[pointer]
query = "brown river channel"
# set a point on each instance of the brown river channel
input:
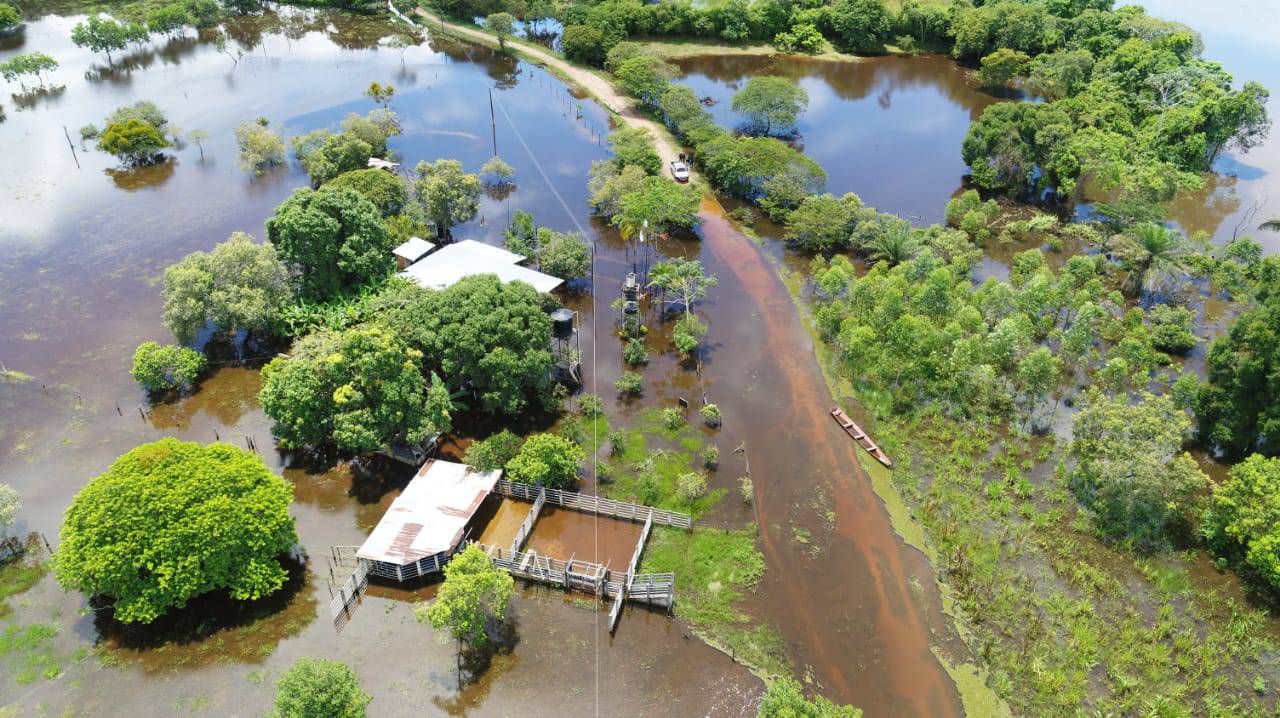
(81, 253)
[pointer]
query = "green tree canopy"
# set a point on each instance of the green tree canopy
(240, 285)
(449, 195)
(9, 17)
(684, 279)
(861, 25)
(319, 688)
(634, 146)
(386, 191)
(332, 239)
(585, 44)
(563, 254)
(771, 103)
(1131, 472)
(484, 338)
(162, 367)
(31, 63)
(1239, 407)
(133, 141)
(473, 598)
(493, 452)
(260, 148)
(361, 388)
(503, 24)
(171, 520)
(101, 33)
(644, 77)
(661, 204)
(823, 222)
(343, 152)
(1003, 66)
(1244, 518)
(548, 460)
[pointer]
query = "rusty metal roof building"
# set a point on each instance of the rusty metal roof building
(430, 515)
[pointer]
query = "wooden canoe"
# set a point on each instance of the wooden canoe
(860, 436)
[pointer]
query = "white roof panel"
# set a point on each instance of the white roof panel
(413, 249)
(451, 263)
(429, 516)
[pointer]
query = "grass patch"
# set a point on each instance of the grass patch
(715, 570)
(19, 575)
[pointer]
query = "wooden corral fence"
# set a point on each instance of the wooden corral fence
(594, 504)
(655, 588)
(348, 594)
(526, 526)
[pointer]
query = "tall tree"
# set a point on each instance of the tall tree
(502, 24)
(239, 286)
(683, 278)
(332, 239)
(771, 103)
(362, 389)
(171, 520)
(485, 339)
(1156, 255)
(473, 599)
(449, 195)
(1131, 472)
(100, 33)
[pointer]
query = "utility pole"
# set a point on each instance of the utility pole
(493, 123)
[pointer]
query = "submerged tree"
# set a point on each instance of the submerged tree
(546, 460)
(784, 698)
(171, 520)
(1157, 256)
(240, 285)
(319, 688)
(161, 368)
(683, 278)
(771, 103)
(449, 195)
(472, 600)
(100, 33)
(260, 148)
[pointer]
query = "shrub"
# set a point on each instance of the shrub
(802, 38)
(672, 418)
(711, 456)
(584, 44)
(1172, 329)
(319, 688)
(89, 132)
(710, 415)
(590, 405)
(547, 460)
(746, 489)
(690, 486)
(634, 354)
(494, 452)
(629, 383)
(165, 367)
(617, 442)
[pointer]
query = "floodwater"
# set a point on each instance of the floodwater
(81, 253)
(565, 534)
(886, 128)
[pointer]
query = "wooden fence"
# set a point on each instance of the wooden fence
(526, 526)
(348, 595)
(594, 504)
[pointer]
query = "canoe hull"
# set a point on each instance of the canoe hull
(860, 436)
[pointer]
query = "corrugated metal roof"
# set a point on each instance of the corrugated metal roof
(429, 516)
(451, 263)
(413, 249)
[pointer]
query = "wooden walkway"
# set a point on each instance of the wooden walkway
(594, 504)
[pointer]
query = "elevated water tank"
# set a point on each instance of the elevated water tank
(562, 323)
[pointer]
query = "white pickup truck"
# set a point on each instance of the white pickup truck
(680, 171)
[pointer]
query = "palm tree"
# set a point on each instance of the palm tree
(1160, 256)
(895, 243)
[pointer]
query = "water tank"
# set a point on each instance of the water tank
(630, 288)
(562, 323)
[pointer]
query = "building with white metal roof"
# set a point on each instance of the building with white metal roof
(449, 264)
(412, 250)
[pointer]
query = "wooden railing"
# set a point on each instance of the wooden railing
(595, 504)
